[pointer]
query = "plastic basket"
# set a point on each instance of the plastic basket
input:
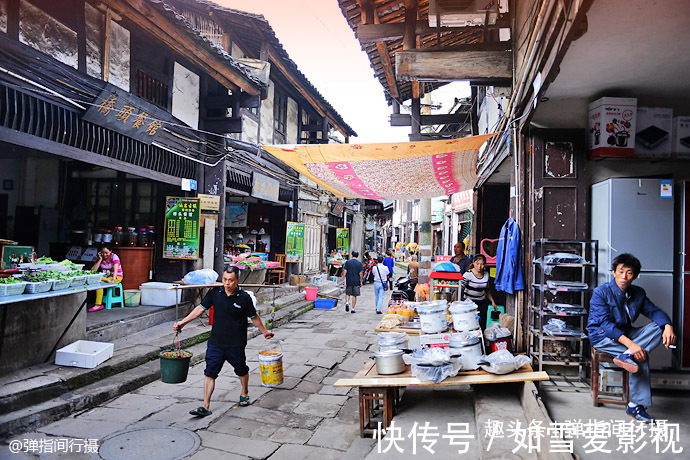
(324, 304)
(36, 288)
(94, 278)
(61, 284)
(78, 280)
(12, 289)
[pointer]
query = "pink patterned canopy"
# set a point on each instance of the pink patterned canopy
(405, 170)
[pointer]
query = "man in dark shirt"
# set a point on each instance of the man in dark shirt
(460, 258)
(231, 308)
(353, 272)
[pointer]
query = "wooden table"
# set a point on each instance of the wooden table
(376, 390)
(201, 287)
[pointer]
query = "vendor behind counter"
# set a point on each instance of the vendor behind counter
(109, 264)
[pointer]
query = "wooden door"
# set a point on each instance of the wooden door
(312, 245)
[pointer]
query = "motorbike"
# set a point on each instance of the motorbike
(404, 289)
(368, 276)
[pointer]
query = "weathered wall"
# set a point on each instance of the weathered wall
(94, 41)
(46, 34)
(40, 182)
(3, 16)
(489, 111)
(119, 56)
(249, 129)
(185, 95)
(292, 136)
(267, 116)
(9, 170)
(34, 327)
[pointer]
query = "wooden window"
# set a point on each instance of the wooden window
(280, 112)
(147, 87)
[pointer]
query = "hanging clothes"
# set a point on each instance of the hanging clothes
(509, 259)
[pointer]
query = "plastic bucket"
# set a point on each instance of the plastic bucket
(432, 317)
(311, 293)
(464, 316)
(132, 297)
(174, 369)
(271, 367)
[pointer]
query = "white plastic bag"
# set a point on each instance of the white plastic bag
(503, 362)
(204, 276)
(428, 356)
(436, 374)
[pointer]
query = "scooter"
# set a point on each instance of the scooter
(368, 277)
(404, 289)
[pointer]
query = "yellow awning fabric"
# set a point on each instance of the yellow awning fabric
(406, 170)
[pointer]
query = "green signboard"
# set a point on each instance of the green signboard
(342, 240)
(294, 242)
(181, 228)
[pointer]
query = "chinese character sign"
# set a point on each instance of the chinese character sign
(181, 228)
(342, 240)
(265, 187)
(127, 114)
(294, 242)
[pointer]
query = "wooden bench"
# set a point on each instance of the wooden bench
(381, 392)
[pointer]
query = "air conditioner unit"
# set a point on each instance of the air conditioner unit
(461, 13)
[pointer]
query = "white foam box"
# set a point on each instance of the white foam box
(611, 127)
(654, 136)
(441, 339)
(84, 353)
(681, 137)
(159, 294)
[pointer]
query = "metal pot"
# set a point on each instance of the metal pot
(389, 362)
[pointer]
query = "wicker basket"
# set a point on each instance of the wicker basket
(36, 288)
(61, 284)
(12, 289)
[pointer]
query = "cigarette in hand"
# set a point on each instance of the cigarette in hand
(672, 346)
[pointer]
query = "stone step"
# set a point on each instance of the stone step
(122, 327)
(42, 394)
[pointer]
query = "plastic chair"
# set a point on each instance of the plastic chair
(110, 297)
(278, 273)
(490, 321)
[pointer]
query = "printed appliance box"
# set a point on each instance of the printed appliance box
(654, 132)
(611, 130)
(681, 136)
(442, 339)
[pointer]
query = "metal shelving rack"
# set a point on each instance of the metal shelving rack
(576, 351)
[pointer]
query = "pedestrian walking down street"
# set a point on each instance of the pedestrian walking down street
(231, 308)
(380, 281)
(389, 262)
(353, 272)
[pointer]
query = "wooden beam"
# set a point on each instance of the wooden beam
(404, 119)
(367, 11)
(311, 128)
(142, 14)
(453, 65)
(370, 33)
(223, 125)
(410, 37)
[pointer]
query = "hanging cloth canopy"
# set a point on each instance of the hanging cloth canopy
(406, 170)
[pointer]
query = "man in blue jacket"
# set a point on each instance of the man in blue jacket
(613, 309)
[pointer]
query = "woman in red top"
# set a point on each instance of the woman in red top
(109, 263)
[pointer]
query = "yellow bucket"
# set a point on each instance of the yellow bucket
(271, 367)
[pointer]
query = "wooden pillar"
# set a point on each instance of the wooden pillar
(324, 130)
(13, 20)
(80, 21)
(416, 114)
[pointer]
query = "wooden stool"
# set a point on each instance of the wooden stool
(371, 400)
(621, 400)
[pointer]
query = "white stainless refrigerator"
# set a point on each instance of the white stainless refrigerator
(636, 216)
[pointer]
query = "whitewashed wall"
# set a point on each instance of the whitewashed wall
(185, 95)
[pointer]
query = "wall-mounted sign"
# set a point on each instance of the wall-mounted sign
(294, 242)
(342, 239)
(236, 215)
(265, 187)
(127, 114)
(209, 202)
(338, 208)
(181, 228)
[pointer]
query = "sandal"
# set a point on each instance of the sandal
(244, 401)
(200, 412)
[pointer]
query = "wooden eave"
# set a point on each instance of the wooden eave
(152, 20)
(382, 53)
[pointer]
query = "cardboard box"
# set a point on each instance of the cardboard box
(442, 339)
(302, 279)
(654, 136)
(612, 127)
(681, 137)
(294, 280)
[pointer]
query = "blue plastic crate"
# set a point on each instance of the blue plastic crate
(324, 304)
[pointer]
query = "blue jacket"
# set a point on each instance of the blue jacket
(509, 259)
(389, 262)
(607, 312)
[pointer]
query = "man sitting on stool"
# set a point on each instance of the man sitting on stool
(613, 309)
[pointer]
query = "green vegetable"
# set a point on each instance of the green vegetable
(67, 263)
(46, 260)
(10, 280)
(36, 277)
(56, 275)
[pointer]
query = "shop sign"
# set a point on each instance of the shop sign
(236, 215)
(338, 208)
(74, 253)
(90, 255)
(127, 114)
(342, 239)
(208, 216)
(181, 228)
(265, 187)
(294, 242)
(209, 202)
(462, 201)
